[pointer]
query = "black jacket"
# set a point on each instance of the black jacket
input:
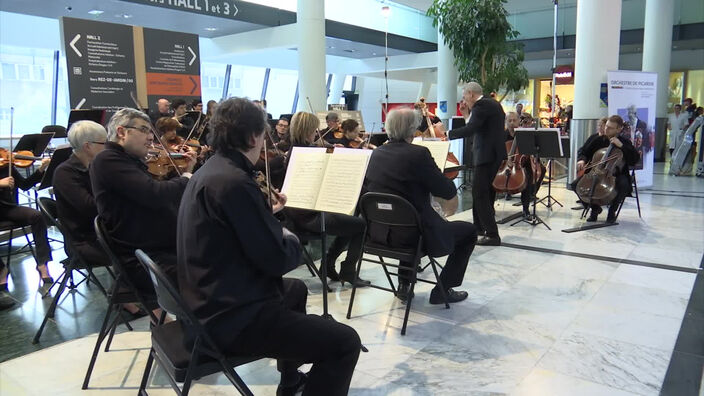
(486, 124)
(8, 196)
(596, 142)
(232, 252)
(139, 211)
(74, 199)
(409, 171)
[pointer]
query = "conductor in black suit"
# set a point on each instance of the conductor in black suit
(408, 170)
(486, 125)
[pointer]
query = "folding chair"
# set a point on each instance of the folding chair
(122, 292)
(73, 263)
(635, 191)
(394, 213)
(181, 363)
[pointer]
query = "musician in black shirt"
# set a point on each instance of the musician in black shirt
(612, 130)
(139, 212)
(232, 254)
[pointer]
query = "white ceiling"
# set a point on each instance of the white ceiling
(512, 6)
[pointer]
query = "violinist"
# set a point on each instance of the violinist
(139, 212)
(352, 138)
(612, 130)
(333, 134)
(282, 137)
(162, 110)
(232, 254)
(348, 230)
(25, 216)
(181, 115)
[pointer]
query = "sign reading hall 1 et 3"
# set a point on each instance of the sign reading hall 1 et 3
(101, 68)
(218, 8)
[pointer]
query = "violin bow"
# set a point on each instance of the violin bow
(268, 180)
(12, 119)
(165, 150)
(190, 134)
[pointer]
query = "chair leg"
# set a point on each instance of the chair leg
(52, 309)
(236, 380)
(147, 371)
(96, 349)
(113, 327)
(408, 308)
(388, 275)
(9, 251)
(91, 274)
(354, 285)
(439, 283)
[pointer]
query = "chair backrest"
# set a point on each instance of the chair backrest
(58, 130)
(389, 210)
(48, 208)
(391, 213)
(106, 243)
(170, 300)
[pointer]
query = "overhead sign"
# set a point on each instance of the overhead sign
(564, 75)
(101, 67)
(218, 8)
(172, 63)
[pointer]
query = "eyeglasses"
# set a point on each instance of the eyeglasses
(144, 129)
(98, 142)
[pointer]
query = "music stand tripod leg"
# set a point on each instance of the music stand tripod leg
(551, 200)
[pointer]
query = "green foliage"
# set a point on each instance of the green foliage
(478, 31)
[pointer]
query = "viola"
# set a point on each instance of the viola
(20, 159)
(598, 185)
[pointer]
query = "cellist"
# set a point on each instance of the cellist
(612, 129)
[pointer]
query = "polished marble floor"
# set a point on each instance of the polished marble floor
(598, 312)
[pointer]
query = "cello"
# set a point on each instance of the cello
(433, 135)
(598, 186)
(511, 177)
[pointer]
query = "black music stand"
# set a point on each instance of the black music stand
(85, 114)
(539, 143)
(60, 155)
(34, 142)
(565, 142)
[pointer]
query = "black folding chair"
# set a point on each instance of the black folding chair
(305, 238)
(395, 214)
(635, 191)
(122, 292)
(181, 363)
(73, 263)
(10, 226)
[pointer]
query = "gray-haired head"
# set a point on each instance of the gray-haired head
(332, 116)
(473, 87)
(124, 117)
(401, 124)
(85, 131)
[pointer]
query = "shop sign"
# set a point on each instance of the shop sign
(564, 75)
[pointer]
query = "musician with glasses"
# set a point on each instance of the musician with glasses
(139, 212)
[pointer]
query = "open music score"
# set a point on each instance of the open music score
(325, 182)
(438, 150)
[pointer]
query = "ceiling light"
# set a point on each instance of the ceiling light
(95, 12)
(125, 16)
(385, 11)
(373, 53)
(211, 29)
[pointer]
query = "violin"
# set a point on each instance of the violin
(163, 164)
(20, 159)
(598, 186)
(511, 179)
(338, 134)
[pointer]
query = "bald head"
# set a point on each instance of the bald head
(163, 105)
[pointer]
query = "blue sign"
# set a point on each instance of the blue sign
(443, 106)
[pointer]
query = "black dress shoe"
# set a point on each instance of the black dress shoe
(453, 296)
(593, 215)
(611, 219)
(6, 300)
(403, 292)
(489, 241)
(293, 389)
(350, 278)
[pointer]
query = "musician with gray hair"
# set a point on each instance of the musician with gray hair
(486, 125)
(409, 171)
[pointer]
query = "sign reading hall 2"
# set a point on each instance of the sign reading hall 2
(100, 58)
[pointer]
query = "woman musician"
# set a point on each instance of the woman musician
(351, 136)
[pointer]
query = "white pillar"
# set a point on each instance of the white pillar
(338, 83)
(596, 52)
(447, 80)
(657, 46)
(424, 89)
(311, 54)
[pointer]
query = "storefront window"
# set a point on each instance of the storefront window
(564, 96)
(675, 90)
(524, 97)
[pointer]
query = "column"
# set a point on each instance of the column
(657, 44)
(338, 83)
(596, 52)
(311, 54)
(447, 81)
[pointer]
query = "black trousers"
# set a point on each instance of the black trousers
(452, 274)
(284, 332)
(623, 186)
(348, 232)
(483, 195)
(24, 216)
(139, 276)
(532, 186)
(91, 254)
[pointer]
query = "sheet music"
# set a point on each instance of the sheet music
(304, 175)
(438, 150)
(343, 180)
